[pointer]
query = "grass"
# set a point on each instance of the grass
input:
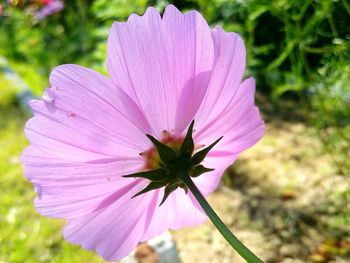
(26, 236)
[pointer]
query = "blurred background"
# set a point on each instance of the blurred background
(287, 198)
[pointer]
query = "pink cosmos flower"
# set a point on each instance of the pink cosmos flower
(89, 130)
(51, 7)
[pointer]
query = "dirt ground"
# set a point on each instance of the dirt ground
(278, 198)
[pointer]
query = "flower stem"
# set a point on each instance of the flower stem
(223, 229)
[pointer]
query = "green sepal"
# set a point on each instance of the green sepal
(157, 175)
(150, 187)
(173, 165)
(166, 154)
(199, 169)
(167, 191)
(187, 146)
(199, 156)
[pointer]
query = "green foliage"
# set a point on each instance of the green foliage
(121, 9)
(42, 45)
(330, 100)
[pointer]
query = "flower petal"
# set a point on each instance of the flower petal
(241, 127)
(179, 210)
(227, 74)
(240, 124)
(163, 64)
(86, 118)
(95, 200)
(208, 182)
(68, 190)
(115, 230)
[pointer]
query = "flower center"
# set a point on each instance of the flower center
(171, 161)
(151, 156)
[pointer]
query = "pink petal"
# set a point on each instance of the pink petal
(208, 182)
(86, 118)
(240, 124)
(114, 231)
(179, 210)
(226, 106)
(68, 189)
(94, 199)
(164, 64)
(227, 73)
(241, 127)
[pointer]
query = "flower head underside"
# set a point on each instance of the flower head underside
(170, 161)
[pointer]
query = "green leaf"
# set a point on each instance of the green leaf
(199, 156)
(157, 175)
(187, 146)
(199, 169)
(167, 191)
(150, 187)
(166, 154)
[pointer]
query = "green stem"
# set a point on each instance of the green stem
(223, 229)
